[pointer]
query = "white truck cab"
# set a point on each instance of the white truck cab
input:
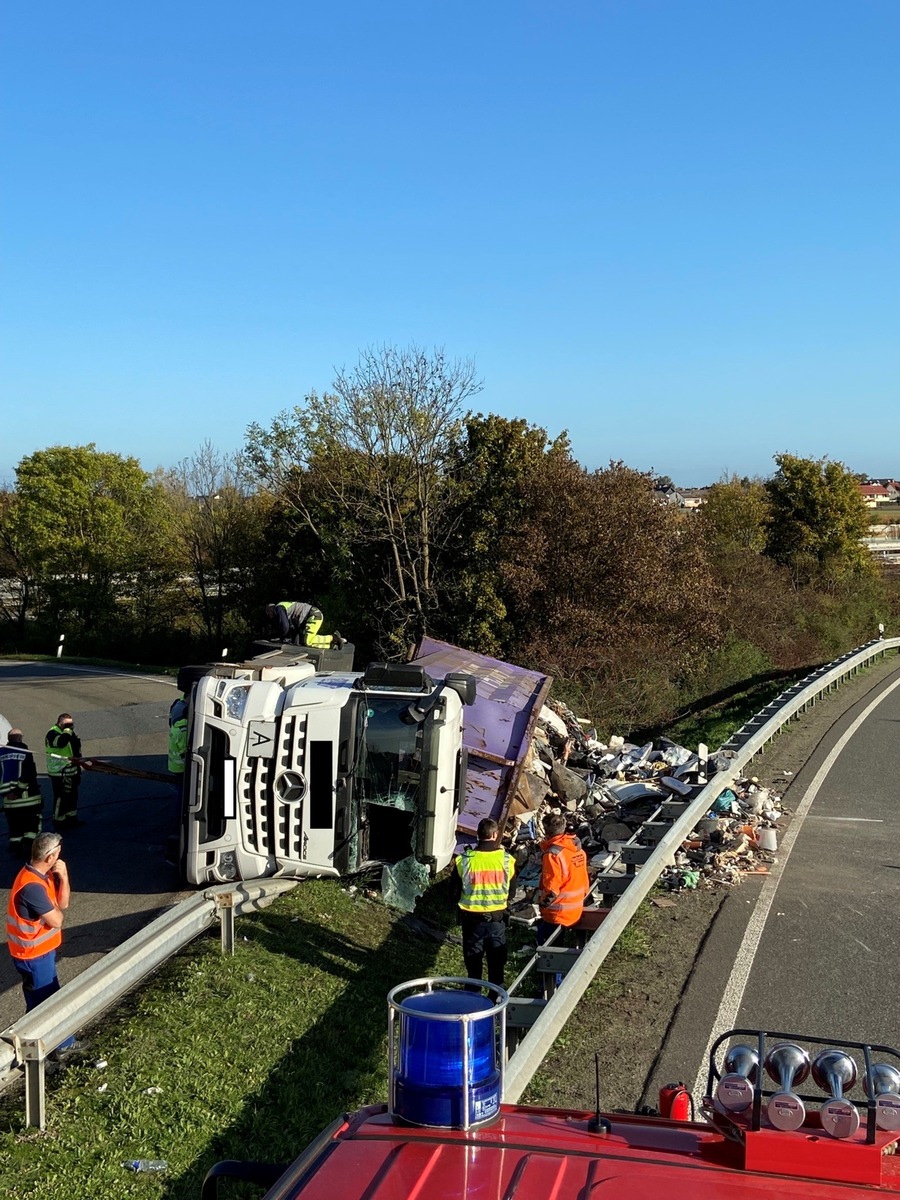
(296, 773)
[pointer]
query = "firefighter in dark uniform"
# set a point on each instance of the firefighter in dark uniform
(20, 793)
(63, 745)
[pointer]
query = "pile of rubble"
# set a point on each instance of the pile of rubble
(609, 790)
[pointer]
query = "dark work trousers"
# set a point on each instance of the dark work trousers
(65, 797)
(484, 936)
(25, 821)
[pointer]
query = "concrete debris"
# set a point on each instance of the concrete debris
(608, 790)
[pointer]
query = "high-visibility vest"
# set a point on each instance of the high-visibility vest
(30, 939)
(178, 730)
(564, 873)
(297, 612)
(14, 791)
(58, 745)
(486, 876)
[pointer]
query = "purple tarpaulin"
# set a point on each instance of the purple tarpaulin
(500, 723)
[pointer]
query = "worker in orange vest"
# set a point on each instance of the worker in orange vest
(34, 917)
(564, 877)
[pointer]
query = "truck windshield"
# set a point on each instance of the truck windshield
(390, 758)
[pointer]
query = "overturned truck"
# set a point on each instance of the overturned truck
(298, 765)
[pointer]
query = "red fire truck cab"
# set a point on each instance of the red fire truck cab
(445, 1134)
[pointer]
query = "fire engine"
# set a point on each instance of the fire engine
(445, 1132)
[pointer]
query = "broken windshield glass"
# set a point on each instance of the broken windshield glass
(390, 762)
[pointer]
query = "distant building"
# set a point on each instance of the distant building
(684, 498)
(874, 494)
(892, 485)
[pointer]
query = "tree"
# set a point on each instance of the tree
(17, 570)
(217, 521)
(368, 462)
(608, 589)
(816, 521)
(91, 522)
(495, 463)
(734, 517)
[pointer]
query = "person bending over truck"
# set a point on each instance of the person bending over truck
(485, 875)
(299, 622)
(564, 878)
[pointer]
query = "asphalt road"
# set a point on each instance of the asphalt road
(117, 866)
(811, 949)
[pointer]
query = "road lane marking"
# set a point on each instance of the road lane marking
(867, 820)
(743, 962)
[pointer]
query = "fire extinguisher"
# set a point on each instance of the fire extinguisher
(676, 1102)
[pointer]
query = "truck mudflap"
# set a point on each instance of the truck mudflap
(498, 726)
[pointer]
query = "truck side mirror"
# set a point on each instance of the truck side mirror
(463, 685)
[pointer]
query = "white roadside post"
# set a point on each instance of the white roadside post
(59, 648)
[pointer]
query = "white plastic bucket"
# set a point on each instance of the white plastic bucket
(767, 838)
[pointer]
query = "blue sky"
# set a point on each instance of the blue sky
(669, 227)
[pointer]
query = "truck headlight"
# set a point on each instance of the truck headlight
(227, 866)
(236, 701)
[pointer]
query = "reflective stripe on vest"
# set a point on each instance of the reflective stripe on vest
(486, 876)
(12, 759)
(18, 800)
(30, 939)
(59, 757)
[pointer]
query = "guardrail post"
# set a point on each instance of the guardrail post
(225, 907)
(35, 1092)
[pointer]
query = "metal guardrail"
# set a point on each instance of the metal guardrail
(744, 745)
(33, 1037)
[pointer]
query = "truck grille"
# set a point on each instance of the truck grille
(269, 825)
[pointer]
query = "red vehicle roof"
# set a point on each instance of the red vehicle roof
(550, 1154)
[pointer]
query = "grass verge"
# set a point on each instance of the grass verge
(252, 1055)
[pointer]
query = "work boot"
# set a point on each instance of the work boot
(338, 642)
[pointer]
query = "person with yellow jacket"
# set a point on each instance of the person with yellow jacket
(63, 749)
(485, 875)
(564, 878)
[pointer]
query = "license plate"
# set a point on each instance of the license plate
(261, 739)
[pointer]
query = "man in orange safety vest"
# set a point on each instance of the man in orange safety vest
(34, 917)
(564, 877)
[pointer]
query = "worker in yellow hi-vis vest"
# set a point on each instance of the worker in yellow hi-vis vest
(485, 875)
(63, 747)
(299, 622)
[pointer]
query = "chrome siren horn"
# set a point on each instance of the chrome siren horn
(735, 1090)
(885, 1084)
(834, 1072)
(787, 1065)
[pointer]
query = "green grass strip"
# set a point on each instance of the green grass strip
(253, 1054)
